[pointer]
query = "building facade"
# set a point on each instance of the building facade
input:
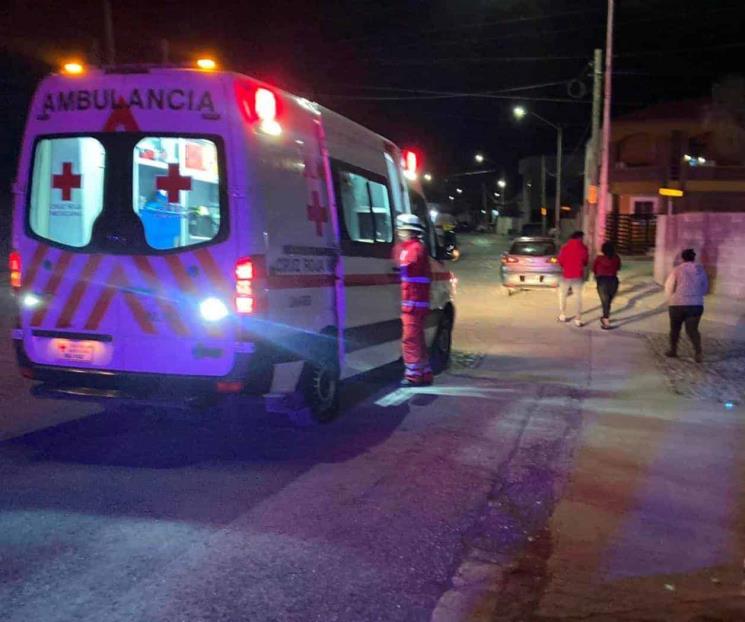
(695, 150)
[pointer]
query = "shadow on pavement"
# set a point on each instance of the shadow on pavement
(203, 466)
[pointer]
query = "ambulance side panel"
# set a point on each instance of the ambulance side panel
(300, 253)
(372, 298)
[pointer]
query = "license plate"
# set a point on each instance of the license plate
(74, 351)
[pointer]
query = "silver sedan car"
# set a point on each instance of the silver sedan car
(530, 263)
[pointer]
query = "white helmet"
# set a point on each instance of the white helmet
(409, 222)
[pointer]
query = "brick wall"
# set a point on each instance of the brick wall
(719, 241)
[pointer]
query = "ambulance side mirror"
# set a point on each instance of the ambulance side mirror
(445, 253)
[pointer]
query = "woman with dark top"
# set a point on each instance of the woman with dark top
(606, 269)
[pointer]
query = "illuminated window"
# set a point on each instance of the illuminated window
(67, 189)
(176, 191)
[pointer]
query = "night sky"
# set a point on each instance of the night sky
(398, 66)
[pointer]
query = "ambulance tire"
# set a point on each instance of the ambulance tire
(439, 356)
(319, 385)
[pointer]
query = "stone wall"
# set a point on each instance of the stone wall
(719, 241)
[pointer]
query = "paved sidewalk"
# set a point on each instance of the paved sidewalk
(639, 291)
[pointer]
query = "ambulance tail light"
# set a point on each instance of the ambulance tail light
(248, 296)
(14, 266)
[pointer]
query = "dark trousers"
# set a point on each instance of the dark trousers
(690, 316)
(607, 289)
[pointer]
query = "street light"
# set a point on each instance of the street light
(459, 190)
(479, 158)
(427, 177)
(451, 197)
(519, 112)
(502, 184)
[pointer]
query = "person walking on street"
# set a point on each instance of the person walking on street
(685, 289)
(416, 277)
(605, 268)
(573, 259)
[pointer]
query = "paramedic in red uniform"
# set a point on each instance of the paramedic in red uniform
(416, 276)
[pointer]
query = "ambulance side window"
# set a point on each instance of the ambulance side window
(67, 187)
(365, 205)
(176, 190)
(397, 183)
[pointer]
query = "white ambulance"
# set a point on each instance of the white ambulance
(186, 230)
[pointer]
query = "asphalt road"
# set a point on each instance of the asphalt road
(135, 514)
(442, 504)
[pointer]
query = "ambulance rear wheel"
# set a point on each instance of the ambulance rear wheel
(440, 353)
(319, 385)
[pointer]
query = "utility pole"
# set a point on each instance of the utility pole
(544, 210)
(592, 151)
(109, 31)
(605, 148)
(557, 204)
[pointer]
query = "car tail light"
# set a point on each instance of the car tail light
(14, 265)
(248, 270)
(509, 259)
(552, 260)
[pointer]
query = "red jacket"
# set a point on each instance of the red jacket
(416, 275)
(606, 266)
(573, 258)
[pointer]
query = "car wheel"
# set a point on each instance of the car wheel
(441, 348)
(319, 384)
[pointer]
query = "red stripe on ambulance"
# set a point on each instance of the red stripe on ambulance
(118, 281)
(52, 286)
(183, 280)
(36, 259)
(166, 306)
(78, 291)
(212, 270)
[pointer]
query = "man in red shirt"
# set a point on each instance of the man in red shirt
(416, 276)
(573, 259)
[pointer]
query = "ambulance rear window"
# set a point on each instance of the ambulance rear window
(176, 184)
(67, 188)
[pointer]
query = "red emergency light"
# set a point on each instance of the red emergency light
(260, 106)
(410, 163)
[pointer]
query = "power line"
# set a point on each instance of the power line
(457, 96)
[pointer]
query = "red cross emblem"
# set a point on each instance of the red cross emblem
(66, 181)
(317, 213)
(172, 183)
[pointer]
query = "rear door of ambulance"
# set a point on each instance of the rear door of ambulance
(123, 224)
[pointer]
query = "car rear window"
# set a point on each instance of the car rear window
(538, 248)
